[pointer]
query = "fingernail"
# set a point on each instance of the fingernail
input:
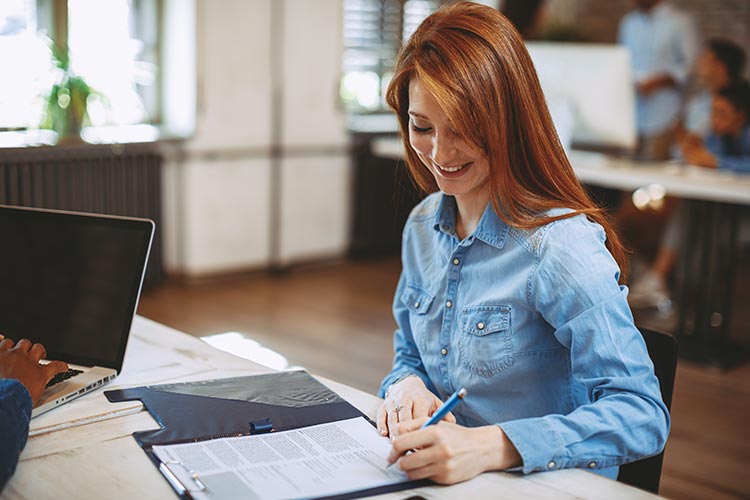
(383, 432)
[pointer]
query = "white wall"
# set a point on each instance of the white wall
(218, 190)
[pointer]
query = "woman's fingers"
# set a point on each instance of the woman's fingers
(405, 412)
(422, 408)
(392, 418)
(405, 440)
(381, 420)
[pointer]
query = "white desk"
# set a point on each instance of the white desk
(95, 456)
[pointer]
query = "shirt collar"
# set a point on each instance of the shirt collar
(491, 229)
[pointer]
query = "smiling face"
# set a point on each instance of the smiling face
(460, 169)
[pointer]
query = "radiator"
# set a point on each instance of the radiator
(104, 179)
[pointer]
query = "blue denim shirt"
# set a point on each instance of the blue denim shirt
(535, 326)
(15, 413)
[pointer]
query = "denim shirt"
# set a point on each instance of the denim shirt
(15, 413)
(535, 326)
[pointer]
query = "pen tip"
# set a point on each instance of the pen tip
(462, 393)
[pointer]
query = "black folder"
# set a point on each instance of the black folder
(240, 406)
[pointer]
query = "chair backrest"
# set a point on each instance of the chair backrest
(662, 348)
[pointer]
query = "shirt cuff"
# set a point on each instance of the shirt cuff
(540, 447)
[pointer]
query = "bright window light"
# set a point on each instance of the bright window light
(103, 52)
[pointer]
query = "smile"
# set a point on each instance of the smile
(454, 168)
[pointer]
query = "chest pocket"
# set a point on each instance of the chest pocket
(485, 343)
(419, 302)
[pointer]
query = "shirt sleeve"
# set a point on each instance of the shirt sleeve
(15, 413)
(575, 289)
(406, 358)
(739, 164)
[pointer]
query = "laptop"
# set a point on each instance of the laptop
(71, 281)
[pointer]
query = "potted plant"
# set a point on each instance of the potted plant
(65, 109)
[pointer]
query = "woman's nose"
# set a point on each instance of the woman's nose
(443, 149)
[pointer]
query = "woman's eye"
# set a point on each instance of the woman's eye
(420, 130)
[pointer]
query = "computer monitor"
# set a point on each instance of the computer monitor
(590, 92)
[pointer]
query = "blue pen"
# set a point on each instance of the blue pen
(441, 412)
(447, 407)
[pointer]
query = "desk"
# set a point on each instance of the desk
(715, 200)
(85, 448)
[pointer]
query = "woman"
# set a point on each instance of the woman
(510, 276)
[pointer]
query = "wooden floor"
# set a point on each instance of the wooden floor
(335, 321)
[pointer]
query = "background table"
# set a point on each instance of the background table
(84, 449)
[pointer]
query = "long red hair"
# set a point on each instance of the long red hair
(472, 60)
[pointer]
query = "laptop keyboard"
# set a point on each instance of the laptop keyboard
(63, 376)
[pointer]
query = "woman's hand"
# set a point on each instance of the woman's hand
(449, 453)
(407, 400)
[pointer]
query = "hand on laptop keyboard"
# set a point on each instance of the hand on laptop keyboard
(21, 361)
(72, 372)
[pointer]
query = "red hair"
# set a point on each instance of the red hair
(472, 60)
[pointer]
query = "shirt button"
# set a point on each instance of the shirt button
(444, 351)
(449, 304)
(416, 304)
(592, 465)
(552, 464)
(446, 228)
(480, 325)
(456, 261)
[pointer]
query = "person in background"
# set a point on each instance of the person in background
(22, 382)
(663, 45)
(726, 147)
(721, 63)
(511, 276)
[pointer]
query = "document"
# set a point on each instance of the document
(309, 462)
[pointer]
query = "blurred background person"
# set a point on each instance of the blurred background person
(721, 63)
(663, 45)
(726, 147)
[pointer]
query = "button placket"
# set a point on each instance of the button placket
(453, 274)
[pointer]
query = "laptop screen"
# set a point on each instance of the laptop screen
(71, 281)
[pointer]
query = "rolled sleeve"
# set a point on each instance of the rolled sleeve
(15, 413)
(576, 291)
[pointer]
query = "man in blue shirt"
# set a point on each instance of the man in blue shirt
(22, 381)
(662, 43)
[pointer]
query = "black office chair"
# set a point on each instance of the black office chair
(662, 348)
